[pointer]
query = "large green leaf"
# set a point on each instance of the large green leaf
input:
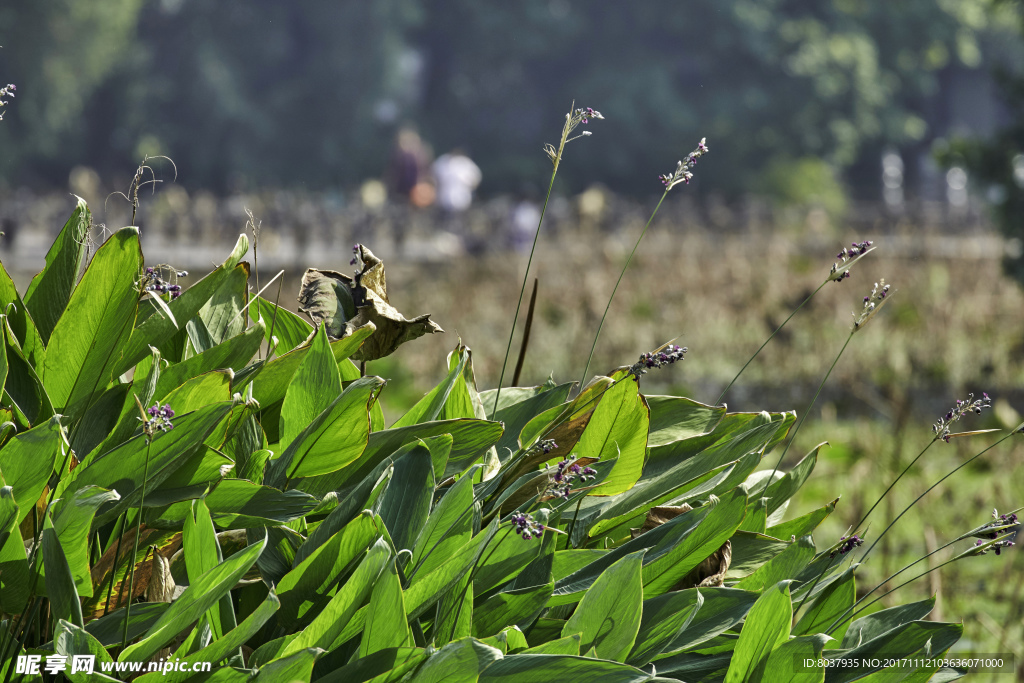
(461, 661)
(220, 649)
(828, 606)
(70, 640)
(786, 564)
(202, 553)
(664, 617)
(785, 663)
(674, 418)
(722, 608)
(387, 624)
(325, 630)
(123, 468)
(551, 668)
(766, 627)
(406, 502)
(306, 586)
(385, 666)
(241, 504)
(707, 535)
(294, 667)
(87, 340)
(332, 440)
(60, 584)
(429, 407)
(608, 617)
(23, 389)
(72, 522)
(315, 385)
(448, 527)
(920, 638)
(201, 594)
(28, 460)
(233, 353)
(515, 415)
(222, 315)
(20, 320)
(870, 627)
(515, 606)
(50, 290)
(618, 429)
(289, 329)
(471, 439)
(782, 490)
(157, 329)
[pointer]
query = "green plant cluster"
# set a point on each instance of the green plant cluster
(281, 531)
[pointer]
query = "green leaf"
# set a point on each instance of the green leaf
(674, 418)
(712, 527)
(722, 609)
(766, 627)
(447, 528)
(387, 624)
(785, 660)
(20, 321)
(664, 618)
(461, 661)
(385, 666)
(332, 440)
(87, 340)
(406, 502)
(123, 468)
(8, 513)
(222, 315)
(828, 605)
(870, 627)
(23, 390)
(607, 617)
(233, 353)
(471, 439)
(290, 329)
(515, 415)
(294, 667)
(50, 290)
(429, 407)
(72, 522)
(920, 638)
(202, 553)
(618, 429)
(464, 399)
(802, 526)
(516, 606)
(28, 460)
(109, 630)
(782, 490)
(14, 571)
(306, 586)
(325, 630)
(314, 386)
(551, 668)
(157, 329)
(60, 584)
(70, 640)
(756, 520)
(240, 504)
(201, 594)
(562, 646)
(786, 564)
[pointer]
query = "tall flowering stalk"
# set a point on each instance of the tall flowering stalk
(840, 271)
(573, 120)
(682, 175)
(155, 419)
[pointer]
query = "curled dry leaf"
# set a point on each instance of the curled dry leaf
(345, 303)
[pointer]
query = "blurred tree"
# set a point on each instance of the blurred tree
(310, 93)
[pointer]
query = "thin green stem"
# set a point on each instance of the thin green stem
(886, 492)
(600, 326)
(117, 554)
(568, 540)
(809, 406)
(135, 552)
(929, 489)
(814, 585)
(472, 575)
(811, 296)
(526, 275)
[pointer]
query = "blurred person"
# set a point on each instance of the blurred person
(408, 166)
(523, 222)
(456, 176)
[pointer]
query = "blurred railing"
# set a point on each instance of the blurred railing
(300, 229)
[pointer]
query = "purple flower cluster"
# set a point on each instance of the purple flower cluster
(839, 270)
(157, 284)
(6, 91)
(998, 547)
(872, 304)
(355, 255)
(159, 419)
(545, 445)
(962, 407)
(992, 530)
(566, 472)
(586, 114)
(526, 527)
(664, 356)
(682, 173)
(847, 544)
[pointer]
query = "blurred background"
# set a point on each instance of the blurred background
(416, 127)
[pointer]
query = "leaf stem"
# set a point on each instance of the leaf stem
(811, 296)
(600, 326)
(135, 552)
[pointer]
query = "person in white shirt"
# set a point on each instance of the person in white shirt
(456, 176)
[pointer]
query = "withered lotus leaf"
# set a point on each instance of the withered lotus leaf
(345, 303)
